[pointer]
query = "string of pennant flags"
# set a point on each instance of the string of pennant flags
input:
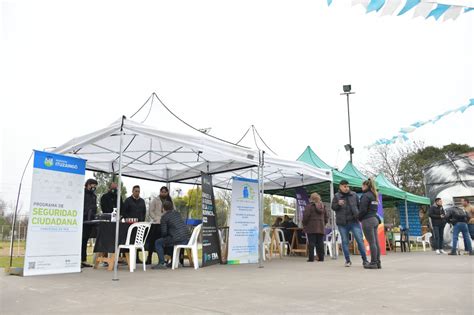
(448, 9)
(402, 134)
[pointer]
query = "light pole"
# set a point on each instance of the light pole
(347, 92)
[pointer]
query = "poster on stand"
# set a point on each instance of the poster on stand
(243, 231)
(302, 200)
(211, 248)
(53, 242)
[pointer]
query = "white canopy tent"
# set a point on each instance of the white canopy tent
(135, 150)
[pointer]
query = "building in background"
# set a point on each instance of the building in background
(451, 179)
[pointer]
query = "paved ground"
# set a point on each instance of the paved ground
(409, 283)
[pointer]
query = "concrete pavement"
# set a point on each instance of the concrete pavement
(417, 282)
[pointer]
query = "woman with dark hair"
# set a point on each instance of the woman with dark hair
(156, 212)
(370, 221)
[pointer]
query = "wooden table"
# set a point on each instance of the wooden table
(296, 247)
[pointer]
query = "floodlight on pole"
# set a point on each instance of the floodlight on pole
(347, 91)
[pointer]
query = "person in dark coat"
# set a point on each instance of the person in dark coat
(370, 221)
(90, 210)
(134, 206)
(438, 222)
(314, 221)
(173, 232)
(346, 205)
(108, 201)
(458, 217)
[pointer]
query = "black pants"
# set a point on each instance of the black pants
(438, 231)
(86, 233)
(370, 227)
(316, 240)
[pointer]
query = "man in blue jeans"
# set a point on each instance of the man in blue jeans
(173, 232)
(346, 205)
(459, 218)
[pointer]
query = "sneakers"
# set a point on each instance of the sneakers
(372, 265)
(159, 267)
(365, 263)
(347, 264)
(438, 252)
(453, 254)
(443, 252)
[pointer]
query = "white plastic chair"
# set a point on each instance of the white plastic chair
(267, 242)
(142, 233)
(192, 245)
(328, 243)
(424, 240)
(282, 242)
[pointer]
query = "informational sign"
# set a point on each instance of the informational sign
(211, 247)
(243, 231)
(277, 209)
(302, 200)
(53, 243)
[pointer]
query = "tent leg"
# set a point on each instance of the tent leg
(117, 223)
(261, 209)
(333, 216)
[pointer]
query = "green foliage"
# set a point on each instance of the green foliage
(412, 165)
(104, 180)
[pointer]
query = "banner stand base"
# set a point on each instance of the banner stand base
(14, 271)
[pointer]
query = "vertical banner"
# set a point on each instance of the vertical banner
(53, 243)
(302, 200)
(243, 231)
(211, 247)
(381, 228)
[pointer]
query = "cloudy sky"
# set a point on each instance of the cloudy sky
(71, 67)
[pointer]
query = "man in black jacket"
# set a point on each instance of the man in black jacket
(90, 210)
(108, 201)
(346, 205)
(173, 232)
(437, 215)
(134, 206)
(459, 218)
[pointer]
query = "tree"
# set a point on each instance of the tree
(387, 159)
(103, 183)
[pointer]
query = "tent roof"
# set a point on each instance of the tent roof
(353, 171)
(311, 158)
(164, 156)
(385, 187)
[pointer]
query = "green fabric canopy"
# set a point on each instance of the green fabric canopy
(311, 158)
(355, 179)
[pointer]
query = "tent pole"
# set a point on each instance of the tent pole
(333, 223)
(260, 210)
(406, 215)
(119, 194)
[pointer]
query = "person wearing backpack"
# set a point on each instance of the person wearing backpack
(459, 218)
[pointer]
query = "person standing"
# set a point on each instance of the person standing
(438, 221)
(346, 205)
(470, 210)
(134, 206)
(108, 201)
(173, 232)
(459, 218)
(90, 210)
(156, 211)
(315, 219)
(370, 221)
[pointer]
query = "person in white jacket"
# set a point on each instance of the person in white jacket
(156, 211)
